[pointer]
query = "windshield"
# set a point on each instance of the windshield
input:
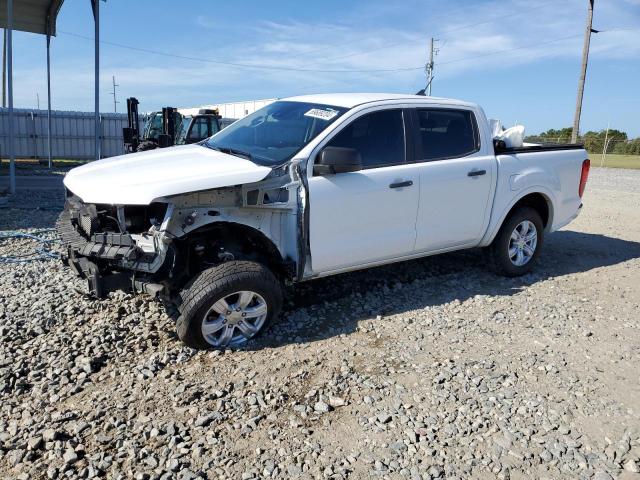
(275, 133)
(154, 126)
(181, 130)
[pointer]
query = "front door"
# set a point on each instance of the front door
(366, 216)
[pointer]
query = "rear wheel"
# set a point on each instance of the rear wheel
(515, 249)
(228, 305)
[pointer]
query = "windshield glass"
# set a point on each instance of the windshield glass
(181, 130)
(275, 133)
(154, 126)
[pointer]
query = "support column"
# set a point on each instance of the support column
(48, 99)
(12, 155)
(96, 21)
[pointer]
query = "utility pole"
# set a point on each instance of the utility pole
(38, 100)
(583, 72)
(115, 101)
(429, 67)
(95, 4)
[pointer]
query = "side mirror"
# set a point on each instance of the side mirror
(499, 145)
(332, 160)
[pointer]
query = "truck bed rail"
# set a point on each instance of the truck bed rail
(501, 149)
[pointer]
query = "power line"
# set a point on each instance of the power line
(367, 37)
(452, 29)
(284, 68)
(497, 52)
(298, 69)
(491, 20)
(240, 65)
(328, 70)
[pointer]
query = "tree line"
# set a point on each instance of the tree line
(617, 140)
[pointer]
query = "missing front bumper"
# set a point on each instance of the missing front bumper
(99, 260)
(99, 284)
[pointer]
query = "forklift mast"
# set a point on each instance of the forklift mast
(168, 136)
(131, 133)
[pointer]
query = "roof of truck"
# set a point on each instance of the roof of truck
(350, 100)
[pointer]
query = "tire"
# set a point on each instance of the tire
(512, 257)
(147, 145)
(218, 310)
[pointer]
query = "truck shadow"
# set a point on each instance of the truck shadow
(333, 306)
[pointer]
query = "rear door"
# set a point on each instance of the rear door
(457, 174)
(367, 216)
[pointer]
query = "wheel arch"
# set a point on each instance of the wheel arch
(243, 241)
(536, 198)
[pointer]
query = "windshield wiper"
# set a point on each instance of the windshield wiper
(231, 151)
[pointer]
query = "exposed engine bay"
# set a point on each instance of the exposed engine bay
(157, 248)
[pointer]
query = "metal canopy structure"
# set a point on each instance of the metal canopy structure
(34, 16)
(39, 16)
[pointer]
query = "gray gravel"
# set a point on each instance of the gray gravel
(426, 369)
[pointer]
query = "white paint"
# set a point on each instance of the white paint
(353, 228)
(355, 219)
(140, 178)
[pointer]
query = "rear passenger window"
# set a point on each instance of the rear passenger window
(447, 133)
(377, 136)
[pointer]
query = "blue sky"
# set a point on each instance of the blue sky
(519, 59)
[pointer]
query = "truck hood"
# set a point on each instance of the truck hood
(140, 178)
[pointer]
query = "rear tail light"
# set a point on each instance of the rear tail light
(584, 176)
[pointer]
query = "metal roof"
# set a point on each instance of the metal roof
(35, 16)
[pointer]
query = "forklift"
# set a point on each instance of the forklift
(195, 128)
(167, 128)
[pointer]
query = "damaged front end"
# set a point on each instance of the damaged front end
(113, 248)
(158, 248)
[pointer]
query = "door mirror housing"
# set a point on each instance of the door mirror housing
(332, 160)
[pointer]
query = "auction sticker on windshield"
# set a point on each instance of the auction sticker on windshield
(321, 114)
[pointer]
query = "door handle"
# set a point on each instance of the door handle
(406, 183)
(476, 173)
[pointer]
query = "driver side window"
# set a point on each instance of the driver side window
(378, 136)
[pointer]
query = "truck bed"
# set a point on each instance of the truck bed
(539, 147)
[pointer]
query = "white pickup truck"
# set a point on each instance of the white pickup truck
(307, 187)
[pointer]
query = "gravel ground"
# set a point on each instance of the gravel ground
(427, 369)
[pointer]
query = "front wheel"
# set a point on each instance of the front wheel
(515, 249)
(229, 304)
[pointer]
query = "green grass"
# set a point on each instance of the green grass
(615, 161)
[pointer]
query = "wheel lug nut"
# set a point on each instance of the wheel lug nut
(237, 309)
(244, 314)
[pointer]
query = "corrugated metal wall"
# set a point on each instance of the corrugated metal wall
(72, 134)
(235, 110)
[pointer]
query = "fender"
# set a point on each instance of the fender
(494, 225)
